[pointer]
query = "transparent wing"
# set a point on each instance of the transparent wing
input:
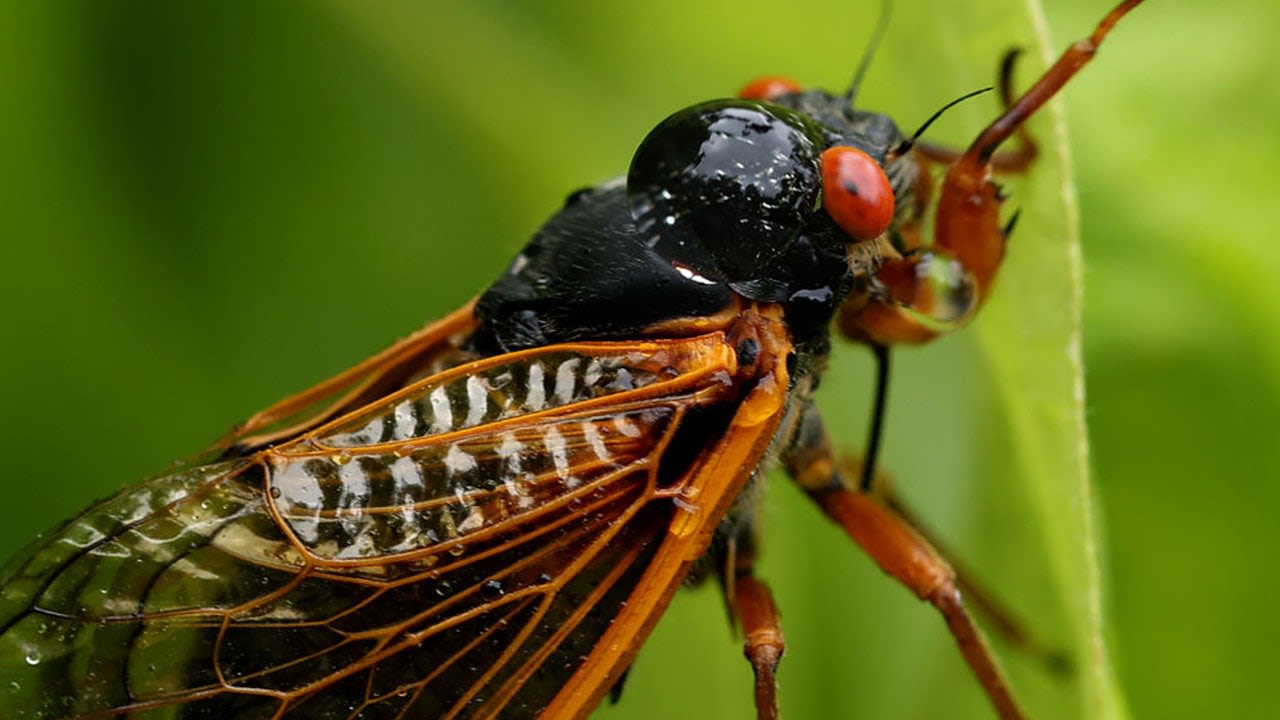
(453, 550)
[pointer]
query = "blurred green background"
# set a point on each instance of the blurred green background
(206, 208)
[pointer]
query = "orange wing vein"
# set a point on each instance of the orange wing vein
(457, 548)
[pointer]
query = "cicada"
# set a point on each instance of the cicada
(488, 518)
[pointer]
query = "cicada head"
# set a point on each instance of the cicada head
(792, 197)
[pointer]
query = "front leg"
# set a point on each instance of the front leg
(936, 288)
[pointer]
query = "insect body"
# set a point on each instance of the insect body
(487, 518)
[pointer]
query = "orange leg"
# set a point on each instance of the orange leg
(897, 548)
(1000, 619)
(904, 554)
(938, 288)
(873, 481)
(751, 608)
(754, 608)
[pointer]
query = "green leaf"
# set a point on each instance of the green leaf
(1042, 391)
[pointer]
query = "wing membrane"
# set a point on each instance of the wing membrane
(444, 552)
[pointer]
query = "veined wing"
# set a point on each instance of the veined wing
(453, 550)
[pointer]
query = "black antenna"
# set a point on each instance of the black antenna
(905, 145)
(872, 44)
(876, 431)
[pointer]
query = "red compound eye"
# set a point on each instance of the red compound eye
(768, 88)
(856, 192)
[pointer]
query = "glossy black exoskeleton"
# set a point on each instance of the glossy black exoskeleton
(722, 198)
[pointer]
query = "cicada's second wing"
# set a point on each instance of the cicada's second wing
(454, 550)
(77, 611)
